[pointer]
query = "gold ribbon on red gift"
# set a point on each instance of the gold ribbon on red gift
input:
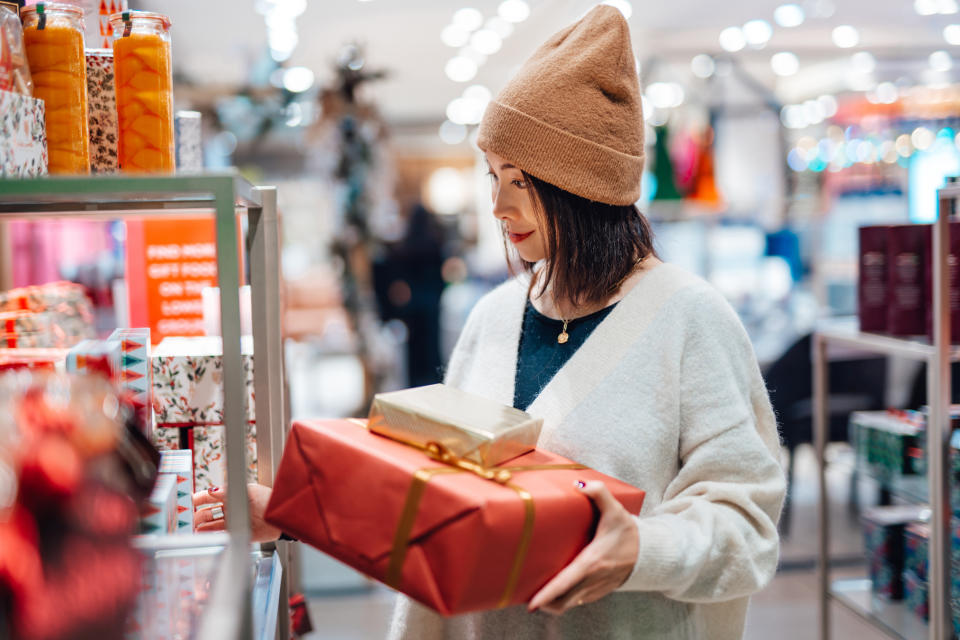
(454, 464)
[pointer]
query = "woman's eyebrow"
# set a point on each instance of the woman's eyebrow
(506, 166)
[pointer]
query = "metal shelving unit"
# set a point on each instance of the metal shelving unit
(892, 618)
(229, 612)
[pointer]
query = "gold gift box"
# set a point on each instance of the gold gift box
(469, 426)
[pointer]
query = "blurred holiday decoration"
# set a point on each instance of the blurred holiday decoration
(354, 131)
(663, 168)
(75, 469)
(704, 192)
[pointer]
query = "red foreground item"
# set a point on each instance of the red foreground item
(344, 491)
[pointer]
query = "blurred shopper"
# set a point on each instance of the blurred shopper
(409, 283)
(639, 369)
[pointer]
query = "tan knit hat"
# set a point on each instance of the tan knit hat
(572, 115)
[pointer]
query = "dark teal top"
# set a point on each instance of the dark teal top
(540, 356)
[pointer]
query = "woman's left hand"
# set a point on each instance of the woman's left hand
(602, 566)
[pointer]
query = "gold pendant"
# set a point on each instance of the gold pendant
(563, 337)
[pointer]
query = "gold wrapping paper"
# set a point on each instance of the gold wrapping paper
(468, 426)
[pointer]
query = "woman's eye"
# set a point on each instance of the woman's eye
(520, 184)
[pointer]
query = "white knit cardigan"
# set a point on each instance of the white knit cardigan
(666, 395)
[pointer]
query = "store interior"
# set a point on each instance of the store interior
(787, 147)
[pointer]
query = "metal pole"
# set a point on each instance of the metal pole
(938, 430)
(821, 384)
(269, 376)
(234, 418)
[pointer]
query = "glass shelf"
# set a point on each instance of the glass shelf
(845, 331)
(895, 618)
(94, 195)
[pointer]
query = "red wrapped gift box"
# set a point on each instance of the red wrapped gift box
(444, 535)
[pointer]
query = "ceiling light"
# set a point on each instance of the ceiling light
(941, 61)
(468, 19)
(621, 5)
(947, 7)
(297, 79)
(951, 33)
(757, 32)
(863, 62)
(922, 138)
(458, 111)
(664, 95)
(477, 93)
(452, 132)
(460, 69)
(500, 27)
(925, 7)
(788, 15)
(732, 39)
(453, 36)
(887, 93)
(472, 55)
(486, 41)
(702, 66)
(784, 63)
(514, 10)
(793, 116)
(846, 36)
(829, 105)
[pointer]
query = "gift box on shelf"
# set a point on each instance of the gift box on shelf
(159, 513)
(872, 282)
(96, 357)
(467, 425)
(135, 370)
(907, 253)
(179, 464)
(40, 359)
(101, 111)
(188, 381)
(883, 529)
(23, 137)
(208, 449)
(189, 148)
(452, 534)
(28, 329)
(915, 594)
(65, 303)
(916, 548)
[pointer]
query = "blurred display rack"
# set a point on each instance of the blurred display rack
(938, 357)
(228, 614)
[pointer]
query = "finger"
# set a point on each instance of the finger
(584, 593)
(563, 582)
(216, 525)
(209, 514)
(214, 495)
(601, 496)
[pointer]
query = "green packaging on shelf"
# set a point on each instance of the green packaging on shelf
(179, 464)
(188, 381)
(889, 442)
(159, 512)
(883, 529)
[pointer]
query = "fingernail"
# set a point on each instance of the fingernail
(213, 489)
(579, 484)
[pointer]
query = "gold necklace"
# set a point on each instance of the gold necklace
(564, 336)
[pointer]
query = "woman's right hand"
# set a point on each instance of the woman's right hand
(210, 512)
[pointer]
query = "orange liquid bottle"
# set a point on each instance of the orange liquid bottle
(144, 85)
(53, 39)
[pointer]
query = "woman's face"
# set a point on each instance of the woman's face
(513, 206)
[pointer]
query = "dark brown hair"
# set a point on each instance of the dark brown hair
(592, 246)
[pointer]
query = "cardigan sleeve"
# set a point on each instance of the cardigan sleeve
(714, 536)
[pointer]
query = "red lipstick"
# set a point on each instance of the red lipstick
(516, 238)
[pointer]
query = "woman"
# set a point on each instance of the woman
(639, 369)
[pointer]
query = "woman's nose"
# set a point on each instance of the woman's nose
(501, 208)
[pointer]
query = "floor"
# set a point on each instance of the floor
(785, 610)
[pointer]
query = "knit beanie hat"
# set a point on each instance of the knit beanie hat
(572, 115)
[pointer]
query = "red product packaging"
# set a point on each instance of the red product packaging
(953, 273)
(906, 255)
(454, 536)
(872, 280)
